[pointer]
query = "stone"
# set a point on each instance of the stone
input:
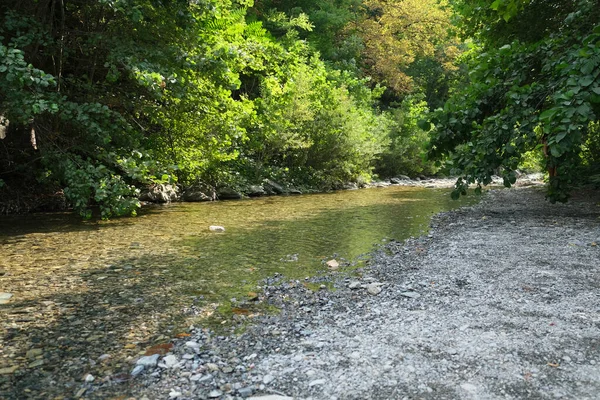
(148, 361)
(104, 357)
(215, 393)
(404, 177)
(5, 297)
(273, 187)
(256, 191)
(354, 285)
(227, 370)
(89, 378)
(212, 366)
(245, 392)
(294, 191)
(36, 363)
(271, 397)
(227, 193)
(216, 228)
(199, 192)
(268, 379)
(137, 370)
(159, 193)
(175, 394)
(9, 370)
(170, 361)
(373, 289)
(316, 382)
(33, 353)
(333, 264)
(205, 379)
(192, 345)
(410, 294)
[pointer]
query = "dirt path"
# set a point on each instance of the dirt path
(501, 300)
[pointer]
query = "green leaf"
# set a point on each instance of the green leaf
(560, 136)
(424, 125)
(586, 80)
(455, 195)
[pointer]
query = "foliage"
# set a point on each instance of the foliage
(525, 95)
(404, 156)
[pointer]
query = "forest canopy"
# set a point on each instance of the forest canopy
(99, 99)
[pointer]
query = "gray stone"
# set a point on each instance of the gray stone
(216, 228)
(215, 393)
(410, 294)
(245, 392)
(137, 370)
(316, 382)
(199, 192)
(160, 193)
(148, 361)
(273, 187)
(170, 361)
(227, 193)
(271, 397)
(256, 191)
(354, 285)
(268, 379)
(192, 345)
(374, 289)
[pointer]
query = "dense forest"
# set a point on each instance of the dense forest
(101, 98)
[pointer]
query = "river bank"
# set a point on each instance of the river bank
(500, 300)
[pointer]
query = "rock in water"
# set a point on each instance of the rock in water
(216, 228)
(5, 297)
(333, 264)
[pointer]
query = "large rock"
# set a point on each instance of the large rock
(227, 193)
(199, 192)
(273, 187)
(159, 193)
(256, 191)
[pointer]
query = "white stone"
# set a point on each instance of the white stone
(216, 228)
(148, 361)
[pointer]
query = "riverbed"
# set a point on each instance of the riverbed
(87, 298)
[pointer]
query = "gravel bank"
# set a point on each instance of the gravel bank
(501, 300)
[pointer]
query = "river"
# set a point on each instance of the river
(83, 289)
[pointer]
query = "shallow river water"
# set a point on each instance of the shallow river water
(85, 289)
(292, 235)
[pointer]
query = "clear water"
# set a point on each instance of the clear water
(170, 251)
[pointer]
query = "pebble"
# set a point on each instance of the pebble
(192, 345)
(354, 285)
(174, 394)
(170, 361)
(148, 361)
(410, 294)
(374, 289)
(33, 353)
(215, 393)
(9, 370)
(271, 397)
(5, 297)
(316, 382)
(268, 379)
(36, 363)
(137, 370)
(212, 367)
(89, 378)
(216, 228)
(245, 392)
(333, 264)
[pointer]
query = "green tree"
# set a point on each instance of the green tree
(531, 90)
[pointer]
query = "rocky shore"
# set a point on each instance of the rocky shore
(500, 300)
